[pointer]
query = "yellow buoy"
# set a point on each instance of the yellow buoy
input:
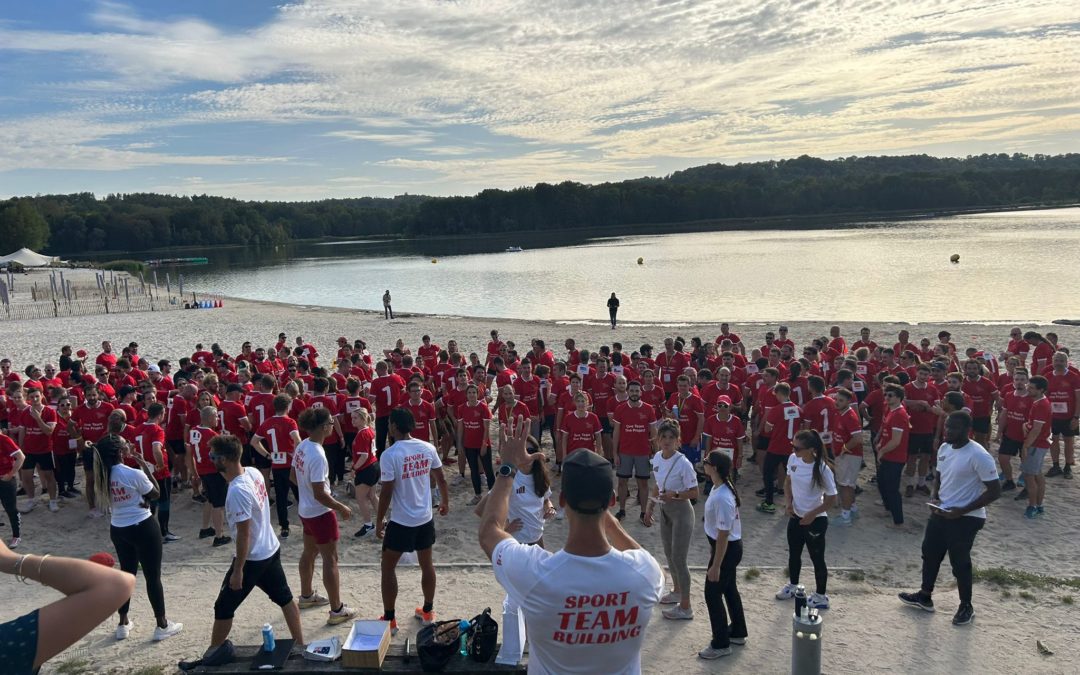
(955, 258)
(641, 261)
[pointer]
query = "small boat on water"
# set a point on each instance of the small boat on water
(514, 249)
(165, 262)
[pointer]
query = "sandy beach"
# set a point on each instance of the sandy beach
(867, 628)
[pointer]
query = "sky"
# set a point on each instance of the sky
(346, 98)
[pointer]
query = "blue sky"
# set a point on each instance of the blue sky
(336, 98)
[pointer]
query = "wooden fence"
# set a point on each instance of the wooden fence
(56, 307)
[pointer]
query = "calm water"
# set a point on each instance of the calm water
(1013, 266)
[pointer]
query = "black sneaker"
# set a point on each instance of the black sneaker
(917, 599)
(1067, 473)
(284, 533)
(1008, 486)
(760, 493)
(964, 614)
(909, 491)
(620, 514)
(208, 532)
(198, 498)
(74, 490)
(1020, 495)
(221, 541)
(1054, 471)
(364, 531)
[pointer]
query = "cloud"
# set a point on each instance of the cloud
(508, 91)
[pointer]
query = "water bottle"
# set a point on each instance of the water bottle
(463, 628)
(675, 411)
(268, 638)
(800, 600)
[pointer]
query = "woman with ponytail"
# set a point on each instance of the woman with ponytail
(810, 489)
(134, 532)
(723, 528)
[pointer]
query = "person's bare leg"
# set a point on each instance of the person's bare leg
(307, 567)
(218, 517)
(292, 620)
(427, 575)
(642, 492)
(27, 479)
(1070, 452)
(624, 492)
(363, 502)
(206, 511)
(1055, 449)
(389, 578)
(331, 577)
(48, 479)
(219, 633)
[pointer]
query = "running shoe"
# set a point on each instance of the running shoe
(740, 641)
(426, 618)
(1067, 472)
(1039, 510)
(1020, 481)
(709, 653)
(28, 506)
(1008, 486)
(620, 514)
(760, 492)
(74, 490)
(284, 533)
(95, 513)
(222, 541)
(393, 625)
(845, 519)
(964, 614)
(53, 506)
(917, 599)
(677, 613)
(313, 600)
(124, 630)
(1020, 496)
(343, 614)
(364, 531)
(206, 532)
(198, 498)
(670, 598)
(1030, 512)
(766, 507)
(786, 593)
(14, 542)
(1054, 471)
(475, 500)
(818, 601)
(170, 537)
(168, 631)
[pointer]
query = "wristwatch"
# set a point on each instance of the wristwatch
(506, 471)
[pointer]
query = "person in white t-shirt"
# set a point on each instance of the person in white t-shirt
(318, 513)
(407, 467)
(966, 483)
(810, 489)
(675, 485)
(723, 529)
(134, 532)
(586, 606)
(257, 561)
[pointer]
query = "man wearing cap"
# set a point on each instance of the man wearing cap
(586, 606)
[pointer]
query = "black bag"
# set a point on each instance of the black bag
(436, 645)
(483, 637)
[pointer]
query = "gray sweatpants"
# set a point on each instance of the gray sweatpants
(676, 528)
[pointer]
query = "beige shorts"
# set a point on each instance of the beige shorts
(847, 469)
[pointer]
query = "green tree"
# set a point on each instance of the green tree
(22, 226)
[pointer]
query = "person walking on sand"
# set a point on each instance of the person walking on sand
(612, 308)
(388, 311)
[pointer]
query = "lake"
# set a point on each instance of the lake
(1014, 266)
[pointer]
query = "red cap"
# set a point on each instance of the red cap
(81, 353)
(725, 399)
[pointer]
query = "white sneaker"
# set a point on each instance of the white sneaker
(14, 542)
(168, 631)
(786, 593)
(28, 506)
(709, 653)
(340, 616)
(314, 600)
(670, 598)
(817, 601)
(95, 513)
(53, 506)
(677, 612)
(845, 518)
(124, 630)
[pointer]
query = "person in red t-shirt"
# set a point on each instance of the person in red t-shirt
(846, 430)
(423, 413)
(1014, 414)
(365, 469)
(691, 418)
(781, 423)
(282, 435)
(581, 428)
(36, 423)
(150, 442)
(428, 353)
(1037, 430)
(724, 431)
(634, 439)
(670, 364)
(385, 394)
(213, 483)
(892, 451)
(1042, 352)
(11, 460)
(92, 419)
(335, 452)
(473, 434)
(921, 400)
(820, 411)
(527, 388)
(1063, 392)
(837, 343)
(983, 395)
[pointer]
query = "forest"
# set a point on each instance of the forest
(804, 186)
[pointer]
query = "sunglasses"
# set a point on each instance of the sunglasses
(723, 405)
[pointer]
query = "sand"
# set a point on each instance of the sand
(867, 629)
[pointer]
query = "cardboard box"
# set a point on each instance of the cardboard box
(366, 645)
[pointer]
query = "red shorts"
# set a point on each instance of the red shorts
(323, 529)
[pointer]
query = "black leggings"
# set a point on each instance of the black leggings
(889, 475)
(65, 471)
(612, 312)
(548, 422)
(955, 537)
(725, 590)
(163, 505)
(474, 458)
(382, 428)
(768, 473)
(335, 458)
(138, 546)
(282, 486)
(811, 536)
(8, 488)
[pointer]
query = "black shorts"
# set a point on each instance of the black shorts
(1010, 447)
(605, 425)
(1062, 428)
(266, 575)
(260, 462)
(215, 488)
(921, 444)
(176, 446)
(980, 425)
(246, 455)
(404, 539)
(88, 463)
(368, 476)
(762, 442)
(43, 461)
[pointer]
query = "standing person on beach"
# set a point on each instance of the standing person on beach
(388, 311)
(406, 470)
(318, 513)
(586, 606)
(892, 452)
(11, 460)
(613, 308)
(966, 483)
(723, 529)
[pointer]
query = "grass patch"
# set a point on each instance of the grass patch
(146, 670)
(132, 267)
(1018, 579)
(1006, 593)
(1027, 595)
(73, 667)
(1067, 600)
(856, 575)
(751, 574)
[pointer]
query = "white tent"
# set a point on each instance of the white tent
(28, 258)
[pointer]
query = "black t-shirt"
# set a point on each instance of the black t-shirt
(613, 303)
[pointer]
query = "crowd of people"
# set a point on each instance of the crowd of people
(543, 436)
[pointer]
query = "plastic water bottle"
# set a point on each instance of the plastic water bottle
(675, 411)
(463, 627)
(268, 638)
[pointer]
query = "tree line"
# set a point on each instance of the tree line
(804, 186)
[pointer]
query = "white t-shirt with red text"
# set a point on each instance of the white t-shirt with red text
(408, 464)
